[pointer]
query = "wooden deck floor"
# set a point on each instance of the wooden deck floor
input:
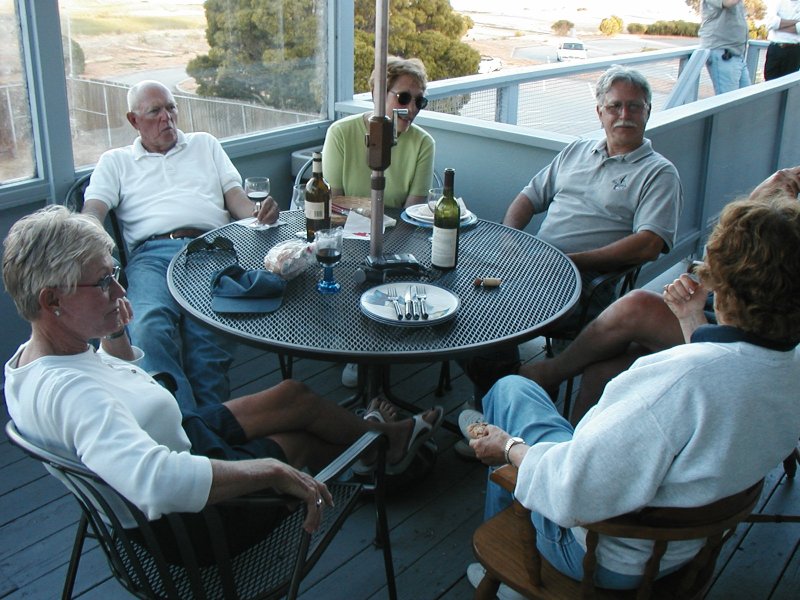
(431, 518)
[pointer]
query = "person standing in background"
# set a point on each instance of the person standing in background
(783, 54)
(724, 33)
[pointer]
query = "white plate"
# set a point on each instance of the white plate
(421, 212)
(468, 222)
(441, 304)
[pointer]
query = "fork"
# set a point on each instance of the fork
(391, 293)
(421, 296)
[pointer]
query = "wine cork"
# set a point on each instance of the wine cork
(488, 282)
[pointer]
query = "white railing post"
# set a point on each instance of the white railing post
(507, 104)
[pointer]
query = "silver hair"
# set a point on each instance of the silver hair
(47, 249)
(135, 92)
(619, 73)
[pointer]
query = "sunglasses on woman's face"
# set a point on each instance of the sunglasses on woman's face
(403, 99)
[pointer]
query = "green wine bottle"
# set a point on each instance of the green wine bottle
(318, 200)
(446, 221)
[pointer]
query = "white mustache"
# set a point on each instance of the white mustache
(625, 123)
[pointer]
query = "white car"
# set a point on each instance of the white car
(489, 64)
(571, 49)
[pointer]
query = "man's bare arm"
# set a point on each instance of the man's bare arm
(237, 203)
(519, 213)
(95, 208)
(630, 250)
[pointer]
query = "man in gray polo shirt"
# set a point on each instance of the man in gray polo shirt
(613, 203)
(724, 33)
(610, 204)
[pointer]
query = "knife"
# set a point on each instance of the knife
(415, 302)
(409, 303)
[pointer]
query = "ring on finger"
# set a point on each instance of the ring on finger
(319, 502)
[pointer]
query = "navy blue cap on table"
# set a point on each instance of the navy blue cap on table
(236, 290)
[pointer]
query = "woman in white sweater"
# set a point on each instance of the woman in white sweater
(681, 428)
(100, 408)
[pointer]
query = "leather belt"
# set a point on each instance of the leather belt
(178, 233)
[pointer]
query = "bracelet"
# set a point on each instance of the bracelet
(117, 335)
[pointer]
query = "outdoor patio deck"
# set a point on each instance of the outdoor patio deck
(432, 518)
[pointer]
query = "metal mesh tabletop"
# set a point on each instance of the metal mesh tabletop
(539, 285)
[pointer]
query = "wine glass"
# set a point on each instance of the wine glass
(257, 190)
(433, 197)
(329, 253)
(298, 197)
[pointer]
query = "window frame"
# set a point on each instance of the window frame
(43, 64)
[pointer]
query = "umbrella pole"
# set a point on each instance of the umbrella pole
(380, 136)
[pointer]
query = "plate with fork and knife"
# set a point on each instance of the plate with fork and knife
(409, 304)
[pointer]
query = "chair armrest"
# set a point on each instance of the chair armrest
(349, 456)
(505, 477)
(341, 463)
(627, 273)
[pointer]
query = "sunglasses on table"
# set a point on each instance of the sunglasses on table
(105, 282)
(218, 243)
(404, 98)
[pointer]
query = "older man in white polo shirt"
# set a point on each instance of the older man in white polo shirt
(166, 188)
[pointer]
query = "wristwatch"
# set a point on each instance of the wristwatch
(510, 443)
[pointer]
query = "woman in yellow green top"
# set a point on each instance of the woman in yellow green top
(408, 178)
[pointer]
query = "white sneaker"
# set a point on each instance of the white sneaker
(350, 375)
(467, 418)
(476, 573)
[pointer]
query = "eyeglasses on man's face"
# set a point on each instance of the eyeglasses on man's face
(634, 107)
(104, 282)
(404, 98)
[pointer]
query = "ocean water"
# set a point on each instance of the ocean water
(580, 12)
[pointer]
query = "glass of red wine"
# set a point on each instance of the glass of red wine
(328, 249)
(257, 190)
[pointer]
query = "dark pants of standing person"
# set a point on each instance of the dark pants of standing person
(781, 60)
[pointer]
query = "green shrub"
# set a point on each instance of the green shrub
(637, 28)
(562, 27)
(680, 28)
(611, 25)
(73, 55)
(757, 33)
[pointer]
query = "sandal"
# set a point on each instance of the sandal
(376, 409)
(420, 434)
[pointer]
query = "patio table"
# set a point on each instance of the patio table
(539, 285)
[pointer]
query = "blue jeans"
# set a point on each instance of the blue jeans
(522, 408)
(173, 342)
(727, 75)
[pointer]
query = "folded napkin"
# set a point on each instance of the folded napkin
(253, 223)
(359, 227)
